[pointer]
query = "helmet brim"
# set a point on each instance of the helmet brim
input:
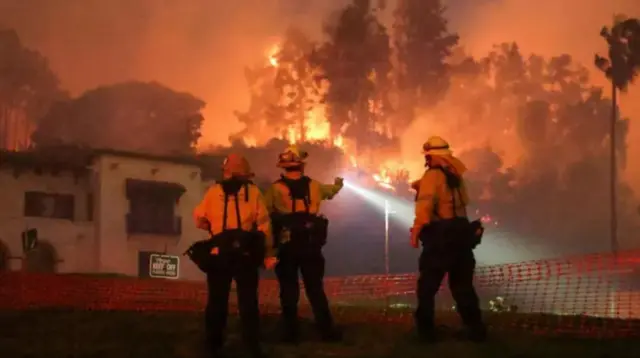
(290, 164)
(440, 152)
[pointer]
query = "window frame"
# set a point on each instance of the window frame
(153, 207)
(64, 205)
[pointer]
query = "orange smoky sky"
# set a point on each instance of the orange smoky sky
(551, 27)
(201, 46)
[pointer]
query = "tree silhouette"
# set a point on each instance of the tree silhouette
(132, 116)
(294, 81)
(546, 111)
(621, 66)
(28, 87)
(263, 114)
(354, 60)
(423, 44)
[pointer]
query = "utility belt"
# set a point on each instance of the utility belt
(305, 230)
(228, 247)
(452, 235)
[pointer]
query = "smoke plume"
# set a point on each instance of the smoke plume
(201, 46)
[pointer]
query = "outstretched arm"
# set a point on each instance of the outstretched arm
(328, 191)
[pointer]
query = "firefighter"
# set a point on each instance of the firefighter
(448, 241)
(300, 233)
(233, 211)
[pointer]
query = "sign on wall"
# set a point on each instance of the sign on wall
(164, 266)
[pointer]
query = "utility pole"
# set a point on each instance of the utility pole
(387, 212)
(613, 172)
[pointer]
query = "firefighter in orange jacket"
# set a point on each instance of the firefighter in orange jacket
(231, 211)
(442, 226)
(300, 233)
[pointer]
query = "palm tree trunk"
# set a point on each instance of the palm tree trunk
(613, 183)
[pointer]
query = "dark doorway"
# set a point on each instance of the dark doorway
(4, 257)
(42, 259)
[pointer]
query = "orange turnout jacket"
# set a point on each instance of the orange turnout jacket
(253, 212)
(434, 199)
(278, 199)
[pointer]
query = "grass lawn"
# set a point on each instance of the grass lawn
(52, 334)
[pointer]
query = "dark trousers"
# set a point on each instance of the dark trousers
(460, 267)
(219, 285)
(311, 266)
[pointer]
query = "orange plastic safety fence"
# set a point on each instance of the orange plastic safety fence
(594, 295)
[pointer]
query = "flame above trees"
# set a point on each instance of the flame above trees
(545, 122)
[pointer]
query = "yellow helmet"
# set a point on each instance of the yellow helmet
(436, 146)
(292, 157)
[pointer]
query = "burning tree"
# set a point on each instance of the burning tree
(354, 61)
(298, 90)
(28, 87)
(285, 96)
(621, 68)
(423, 45)
(262, 120)
(547, 108)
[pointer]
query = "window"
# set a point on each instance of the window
(45, 205)
(152, 208)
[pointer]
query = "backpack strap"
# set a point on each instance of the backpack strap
(453, 188)
(238, 210)
(237, 204)
(224, 215)
(306, 199)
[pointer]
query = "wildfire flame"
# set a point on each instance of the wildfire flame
(384, 180)
(272, 55)
(316, 128)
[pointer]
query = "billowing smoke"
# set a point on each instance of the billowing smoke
(201, 46)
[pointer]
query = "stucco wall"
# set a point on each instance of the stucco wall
(71, 239)
(102, 244)
(117, 250)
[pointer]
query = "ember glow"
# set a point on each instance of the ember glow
(272, 55)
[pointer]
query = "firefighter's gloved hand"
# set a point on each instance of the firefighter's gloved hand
(339, 181)
(415, 243)
(270, 262)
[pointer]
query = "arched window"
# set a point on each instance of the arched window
(42, 259)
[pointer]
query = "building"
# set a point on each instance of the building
(99, 211)
(104, 211)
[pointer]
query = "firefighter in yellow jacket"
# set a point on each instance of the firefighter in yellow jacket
(442, 226)
(300, 233)
(234, 213)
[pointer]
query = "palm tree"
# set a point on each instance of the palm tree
(621, 67)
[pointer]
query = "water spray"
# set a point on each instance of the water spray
(385, 203)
